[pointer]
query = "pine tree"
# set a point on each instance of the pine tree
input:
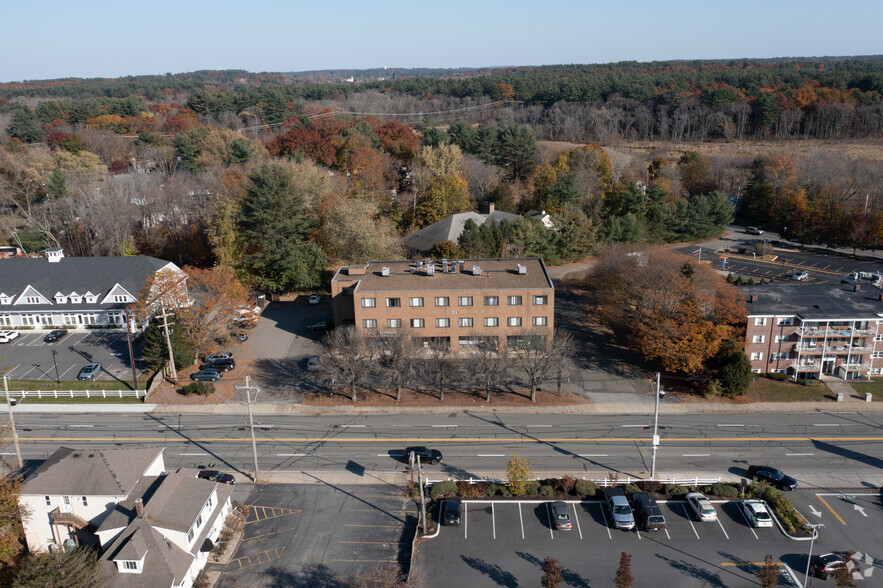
(156, 352)
(57, 184)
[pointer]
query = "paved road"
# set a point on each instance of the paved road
(474, 445)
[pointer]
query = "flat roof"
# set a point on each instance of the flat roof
(814, 301)
(411, 276)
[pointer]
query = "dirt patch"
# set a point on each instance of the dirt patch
(379, 398)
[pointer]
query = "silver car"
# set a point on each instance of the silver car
(701, 507)
(619, 508)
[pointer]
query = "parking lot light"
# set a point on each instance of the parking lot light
(55, 363)
(655, 441)
(815, 531)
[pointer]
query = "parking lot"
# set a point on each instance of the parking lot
(504, 543)
(319, 534)
(28, 357)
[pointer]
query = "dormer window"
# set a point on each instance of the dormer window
(130, 566)
(75, 299)
(4, 299)
(60, 298)
(90, 298)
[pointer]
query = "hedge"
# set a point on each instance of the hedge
(202, 388)
(674, 490)
(585, 488)
(725, 490)
(446, 488)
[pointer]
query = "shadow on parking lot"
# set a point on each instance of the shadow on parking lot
(570, 578)
(679, 509)
(694, 571)
(595, 511)
(309, 576)
(492, 571)
(541, 511)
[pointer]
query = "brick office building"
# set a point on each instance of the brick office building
(815, 330)
(459, 303)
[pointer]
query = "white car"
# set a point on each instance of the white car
(757, 513)
(800, 276)
(702, 507)
(7, 336)
(315, 298)
(753, 231)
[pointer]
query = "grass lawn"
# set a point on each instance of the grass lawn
(765, 390)
(875, 387)
(108, 400)
(69, 385)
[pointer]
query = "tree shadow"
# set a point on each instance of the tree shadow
(570, 577)
(497, 574)
(694, 571)
(864, 458)
(308, 576)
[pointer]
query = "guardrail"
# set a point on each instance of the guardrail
(23, 394)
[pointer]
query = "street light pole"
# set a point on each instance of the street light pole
(655, 430)
(12, 424)
(55, 363)
(129, 325)
(815, 531)
(254, 446)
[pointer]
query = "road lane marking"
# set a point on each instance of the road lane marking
(606, 526)
(355, 426)
(833, 512)
(722, 527)
(294, 454)
(89, 426)
(521, 519)
(638, 531)
(695, 455)
(193, 454)
(666, 533)
(578, 527)
(455, 440)
(443, 426)
(731, 425)
(493, 521)
(537, 426)
(747, 522)
(594, 455)
(690, 518)
(491, 455)
(826, 424)
(633, 426)
(798, 454)
(465, 520)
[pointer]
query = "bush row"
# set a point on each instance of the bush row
(574, 487)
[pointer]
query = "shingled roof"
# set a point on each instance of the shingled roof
(450, 228)
(90, 472)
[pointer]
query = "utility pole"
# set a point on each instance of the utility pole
(659, 393)
(815, 531)
(129, 324)
(12, 424)
(254, 446)
(173, 374)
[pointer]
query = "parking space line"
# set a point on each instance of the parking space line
(521, 518)
(493, 521)
(465, 520)
(722, 527)
(690, 518)
(638, 532)
(825, 502)
(606, 526)
(747, 522)
(578, 527)
(549, 518)
(666, 533)
(377, 526)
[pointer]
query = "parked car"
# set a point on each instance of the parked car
(7, 336)
(216, 476)
(619, 508)
(90, 372)
(54, 336)
(800, 276)
(221, 365)
(315, 299)
(753, 231)
(240, 336)
(219, 355)
(825, 566)
(313, 363)
(425, 454)
(206, 376)
(320, 326)
(647, 513)
(757, 513)
(451, 508)
(561, 516)
(772, 476)
(702, 507)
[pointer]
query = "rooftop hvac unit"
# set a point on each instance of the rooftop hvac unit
(476, 270)
(384, 271)
(413, 269)
(522, 269)
(430, 270)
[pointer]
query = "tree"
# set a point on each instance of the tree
(439, 370)
(487, 365)
(75, 568)
(768, 573)
(24, 126)
(162, 294)
(518, 474)
(57, 186)
(444, 196)
(624, 578)
(11, 514)
(519, 151)
(346, 357)
(398, 356)
(351, 230)
(276, 227)
(537, 357)
(551, 573)
(843, 576)
(383, 576)
(733, 369)
(446, 250)
(155, 352)
(443, 160)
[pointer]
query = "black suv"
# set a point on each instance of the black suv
(222, 365)
(451, 509)
(647, 512)
(54, 336)
(425, 454)
(772, 476)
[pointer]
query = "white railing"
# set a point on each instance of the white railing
(78, 393)
(603, 483)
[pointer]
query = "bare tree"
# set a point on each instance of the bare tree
(439, 370)
(345, 358)
(397, 359)
(537, 357)
(487, 364)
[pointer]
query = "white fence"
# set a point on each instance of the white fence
(23, 394)
(604, 482)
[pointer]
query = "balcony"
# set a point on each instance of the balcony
(806, 367)
(855, 367)
(834, 331)
(830, 350)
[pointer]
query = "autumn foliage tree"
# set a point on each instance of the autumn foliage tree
(216, 299)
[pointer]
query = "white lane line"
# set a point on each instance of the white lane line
(666, 533)
(731, 425)
(520, 518)
(537, 426)
(637, 531)
(578, 527)
(747, 522)
(722, 528)
(695, 455)
(491, 455)
(797, 454)
(606, 526)
(493, 521)
(193, 454)
(641, 426)
(826, 424)
(690, 518)
(549, 518)
(355, 426)
(594, 455)
(81, 426)
(382, 455)
(441, 426)
(294, 454)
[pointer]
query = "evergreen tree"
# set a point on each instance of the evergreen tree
(156, 352)
(24, 126)
(758, 198)
(57, 186)
(518, 151)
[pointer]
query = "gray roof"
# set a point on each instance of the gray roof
(165, 563)
(450, 228)
(178, 500)
(75, 274)
(90, 472)
(814, 301)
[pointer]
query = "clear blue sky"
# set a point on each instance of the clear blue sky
(42, 39)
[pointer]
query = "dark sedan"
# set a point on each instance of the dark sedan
(54, 336)
(216, 476)
(425, 454)
(206, 376)
(771, 476)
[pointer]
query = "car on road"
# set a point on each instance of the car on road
(560, 516)
(753, 231)
(425, 454)
(7, 336)
(221, 365)
(800, 276)
(825, 566)
(619, 509)
(315, 299)
(312, 363)
(451, 511)
(216, 476)
(701, 506)
(54, 336)
(772, 476)
(320, 326)
(757, 514)
(208, 375)
(647, 513)
(90, 371)
(219, 355)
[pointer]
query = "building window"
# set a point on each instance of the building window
(781, 338)
(491, 300)
(417, 323)
(199, 520)
(60, 299)
(779, 355)
(442, 323)
(75, 299)
(442, 301)
(32, 299)
(514, 321)
(464, 301)
(759, 321)
(90, 299)
(514, 300)
(48, 501)
(189, 536)
(369, 323)
(5, 320)
(757, 371)
(465, 322)
(369, 302)
(130, 565)
(877, 338)
(120, 298)
(394, 323)
(757, 339)
(540, 321)
(877, 355)
(756, 355)
(785, 322)
(393, 302)
(415, 301)
(540, 300)
(85, 502)
(491, 321)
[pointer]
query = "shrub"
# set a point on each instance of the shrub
(442, 489)
(650, 486)
(504, 491)
(567, 484)
(630, 489)
(492, 489)
(674, 489)
(715, 388)
(201, 388)
(532, 488)
(725, 490)
(585, 488)
(518, 474)
(776, 376)
(790, 518)
(546, 490)
(467, 490)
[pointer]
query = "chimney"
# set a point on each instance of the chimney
(752, 298)
(139, 508)
(856, 287)
(54, 255)
(487, 207)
